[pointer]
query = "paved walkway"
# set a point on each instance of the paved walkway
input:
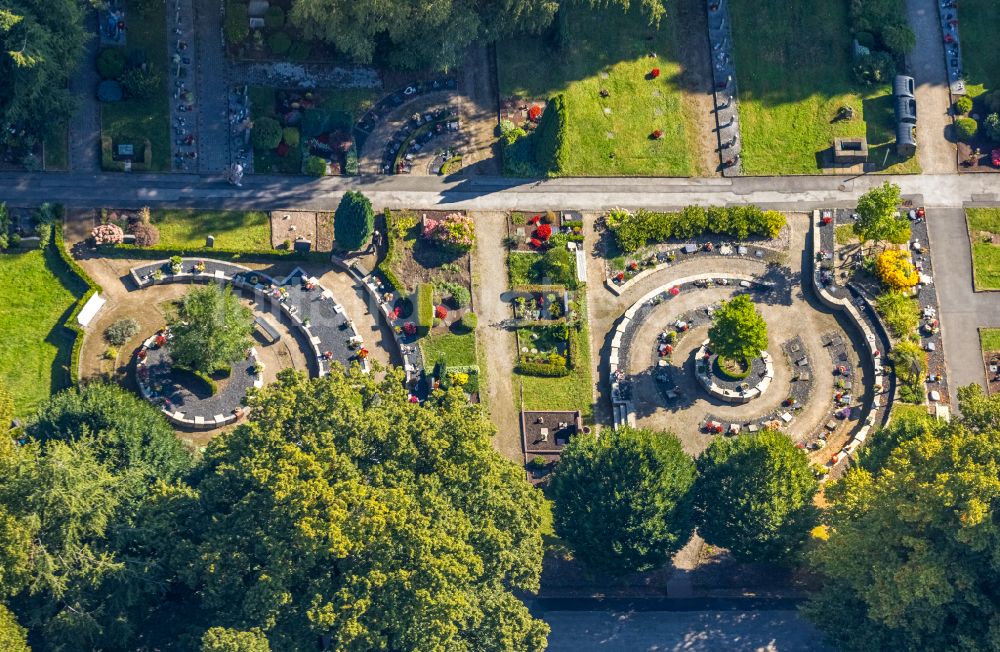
(85, 126)
(937, 154)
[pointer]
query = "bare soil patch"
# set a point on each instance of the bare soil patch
(289, 225)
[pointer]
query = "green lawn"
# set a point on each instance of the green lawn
(612, 43)
(57, 148)
(233, 230)
(984, 225)
(37, 293)
(990, 339)
(457, 350)
(793, 65)
(980, 54)
(134, 119)
(572, 392)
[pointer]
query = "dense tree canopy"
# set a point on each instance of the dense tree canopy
(353, 221)
(341, 509)
(220, 639)
(738, 331)
(913, 556)
(877, 216)
(41, 42)
(418, 34)
(754, 496)
(621, 500)
(211, 329)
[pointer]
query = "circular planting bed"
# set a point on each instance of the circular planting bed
(751, 382)
(190, 399)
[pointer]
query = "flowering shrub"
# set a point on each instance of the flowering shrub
(455, 231)
(895, 269)
(536, 243)
(654, 73)
(535, 220)
(410, 328)
(534, 113)
(440, 312)
(107, 234)
(543, 232)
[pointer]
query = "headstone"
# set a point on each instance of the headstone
(210, 241)
(302, 246)
(125, 150)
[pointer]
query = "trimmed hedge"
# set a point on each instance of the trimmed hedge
(166, 251)
(385, 267)
(541, 369)
(633, 231)
(425, 308)
(60, 244)
(551, 152)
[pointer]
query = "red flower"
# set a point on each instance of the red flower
(534, 113)
(544, 232)
(654, 73)
(536, 243)
(440, 312)
(535, 220)
(657, 134)
(410, 328)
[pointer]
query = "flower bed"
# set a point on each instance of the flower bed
(546, 350)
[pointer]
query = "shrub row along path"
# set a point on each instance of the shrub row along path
(937, 153)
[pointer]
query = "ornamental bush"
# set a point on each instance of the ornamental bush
(963, 105)
(141, 82)
(470, 321)
(111, 63)
(107, 234)
(896, 271)
(551, 150)
(237, 25)
(146, 235)
(353, 221)
(279, 43)
(992, 126)
(274, 18)
(266, 133)
(121, 331)
(290, 136)
(315, 166)
(966, 128)
(455, 231)
(634, 230)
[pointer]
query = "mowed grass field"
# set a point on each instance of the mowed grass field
(978, 24)
(989, 338)
(37, 292)
(611, 50)
(233, 230)
(984, 233)
(793, 68)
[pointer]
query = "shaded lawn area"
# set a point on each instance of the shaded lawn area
(233, 230)
(618, 44)
(990, 339)
(526, 268)
(57, 148)
(37, 292)
(132, 120)
(458, 350)
(572, 392)
(793, 64)
(977, 26)
(984, 232)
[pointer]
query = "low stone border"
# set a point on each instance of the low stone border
(287, 296)
(620, 289)
(622, 410)
(180, 418)
(873, 343)
(704, 376)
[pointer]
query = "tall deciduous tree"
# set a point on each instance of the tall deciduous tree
(211, 329)
(221, 639)
(13, 637)
(754, 496)
(738, 331)
(911, 559)
(418, 34)
(342, 510)
(877, 220)
(353, 221)
(621, 500)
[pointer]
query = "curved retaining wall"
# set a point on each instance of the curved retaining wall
(622, 409)
(873, 344)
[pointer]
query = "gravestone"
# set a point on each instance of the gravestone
(210, 241)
